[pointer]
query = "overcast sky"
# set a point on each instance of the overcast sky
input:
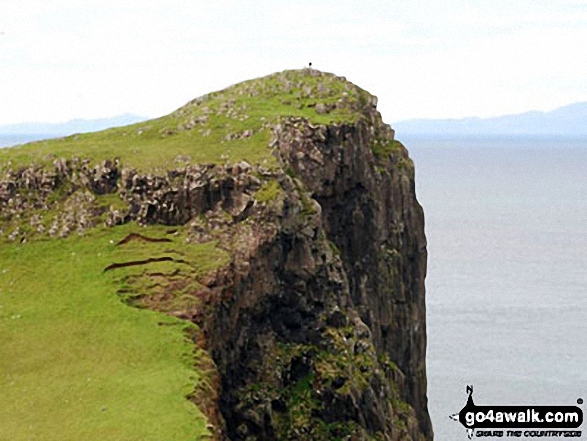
(65, 59)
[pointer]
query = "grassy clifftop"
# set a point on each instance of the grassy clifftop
(76, 362)
(232, 124)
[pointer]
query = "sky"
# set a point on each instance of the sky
(66, 59)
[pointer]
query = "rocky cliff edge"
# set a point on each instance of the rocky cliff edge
(313, 326)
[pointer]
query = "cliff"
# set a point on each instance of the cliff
(276, 222)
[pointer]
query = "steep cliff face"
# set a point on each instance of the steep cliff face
(314, 325)
(343, 311)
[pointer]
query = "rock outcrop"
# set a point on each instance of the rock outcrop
(316, 328)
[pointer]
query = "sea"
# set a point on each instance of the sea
(506, 223)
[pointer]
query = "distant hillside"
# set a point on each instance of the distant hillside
(569, 120)
(69, 127)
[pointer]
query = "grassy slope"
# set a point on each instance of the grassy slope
(76, 362)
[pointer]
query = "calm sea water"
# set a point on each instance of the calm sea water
(506, 222)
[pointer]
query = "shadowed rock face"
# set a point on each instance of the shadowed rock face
(373, 218)
(332, 296)
(317, 325)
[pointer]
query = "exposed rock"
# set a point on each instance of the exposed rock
(316, 327)
(293, 277)
(321, 109)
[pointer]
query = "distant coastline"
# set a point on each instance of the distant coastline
(565, 122)
(15, 134)
(16, 139)
(403, 136)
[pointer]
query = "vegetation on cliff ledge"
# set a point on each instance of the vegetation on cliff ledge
(147, 216)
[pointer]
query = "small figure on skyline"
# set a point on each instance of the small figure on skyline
(310, 65)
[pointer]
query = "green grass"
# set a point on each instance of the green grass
(389, 147)
(198, 131)
(268, 192)
(78, 364)
(112, 200)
